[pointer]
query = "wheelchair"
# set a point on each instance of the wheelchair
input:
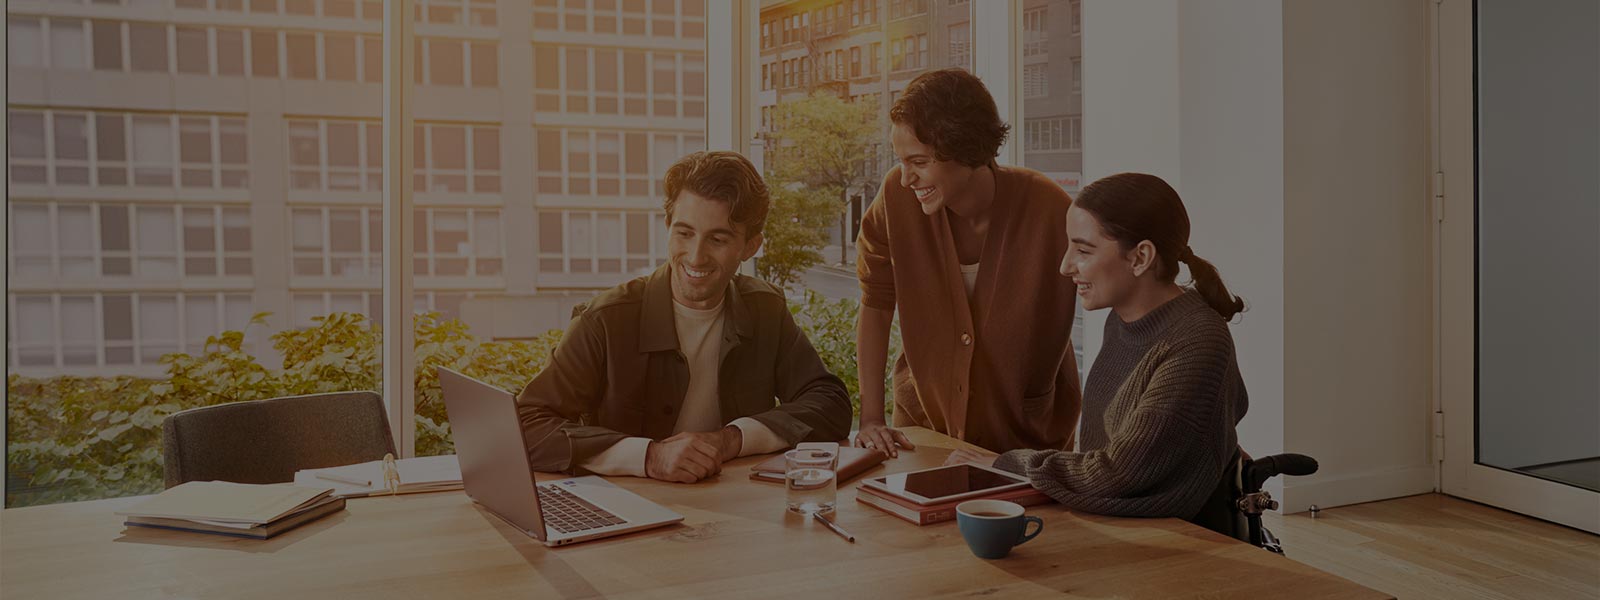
(1235, 506)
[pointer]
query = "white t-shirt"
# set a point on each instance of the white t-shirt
(969, 276)
(700, 341)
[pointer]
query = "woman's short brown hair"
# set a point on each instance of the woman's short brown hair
(724, 177)
(952, 111)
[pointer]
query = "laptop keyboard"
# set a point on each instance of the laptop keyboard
(567, 513)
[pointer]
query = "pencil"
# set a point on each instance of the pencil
(836, 529)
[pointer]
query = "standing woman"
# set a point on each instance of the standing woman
(965, 250)
(1164, 395)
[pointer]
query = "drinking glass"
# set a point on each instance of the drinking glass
(811, 482)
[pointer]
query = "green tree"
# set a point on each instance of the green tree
(817, 154)
(796, 230)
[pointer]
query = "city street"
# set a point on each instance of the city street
(833, 282)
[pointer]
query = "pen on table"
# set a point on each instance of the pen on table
(340, 479)
(847, 537)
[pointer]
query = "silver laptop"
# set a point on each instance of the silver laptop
(495, 469)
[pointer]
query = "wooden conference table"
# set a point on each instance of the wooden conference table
(736, 541)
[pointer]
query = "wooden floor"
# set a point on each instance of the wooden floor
(1435, 546)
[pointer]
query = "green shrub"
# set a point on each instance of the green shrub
(82, 438)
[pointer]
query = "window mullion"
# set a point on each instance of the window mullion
(399, 361)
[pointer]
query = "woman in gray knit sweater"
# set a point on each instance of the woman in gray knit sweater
(1164, 394)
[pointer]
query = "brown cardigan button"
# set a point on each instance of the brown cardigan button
(966, 339)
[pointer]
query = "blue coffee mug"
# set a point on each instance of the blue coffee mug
(993, 527)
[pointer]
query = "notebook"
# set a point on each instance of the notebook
(222, 501)
(852, 462)
(938, 513)
(424, 474)
(322, 508)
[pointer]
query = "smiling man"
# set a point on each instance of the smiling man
(668, 376)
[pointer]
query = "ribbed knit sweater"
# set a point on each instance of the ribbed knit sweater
(1159, 411)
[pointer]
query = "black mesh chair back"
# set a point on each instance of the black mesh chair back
(266, 441)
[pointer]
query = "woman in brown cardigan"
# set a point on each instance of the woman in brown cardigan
(965, 250)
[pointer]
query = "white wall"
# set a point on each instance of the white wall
(1293, 129)
(1231, 77)
(1130, 102)
(1358, 302)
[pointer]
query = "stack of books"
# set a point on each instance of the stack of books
(927, 514)
(233, 509)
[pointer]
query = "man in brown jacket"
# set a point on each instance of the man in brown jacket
(670, 375)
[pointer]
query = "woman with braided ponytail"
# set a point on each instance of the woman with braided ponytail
(1162, 399)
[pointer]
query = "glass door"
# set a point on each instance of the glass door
(1519, 270)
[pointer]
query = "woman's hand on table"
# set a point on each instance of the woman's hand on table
(884, 438)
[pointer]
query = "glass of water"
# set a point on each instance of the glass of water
(811, 482)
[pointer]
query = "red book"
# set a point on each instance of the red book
(938, 513)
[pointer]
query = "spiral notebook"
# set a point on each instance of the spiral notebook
(416, 475)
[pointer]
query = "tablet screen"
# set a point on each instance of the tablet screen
(948, 481)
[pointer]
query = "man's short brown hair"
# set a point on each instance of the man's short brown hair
(952, 111)
(724, 177)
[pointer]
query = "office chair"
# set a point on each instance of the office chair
(1235, 506)
(266, 441)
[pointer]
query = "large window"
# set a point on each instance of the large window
(888, 43)
(1051, 134)
(218, 165)
(161, 173)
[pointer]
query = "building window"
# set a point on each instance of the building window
(583, 241)
(458, 242)
(479, 13)
(457, 63)
(216, 241)
(855, 61)
(120, 329)
(1035, 32)
(961, 45)
(336, 155)
(682, 19)
(609, 81)
(199, 50)
(1077, 74)
(25, 41)
(1077, 16)
(86, 241)
(104, 149)
(1035, 84)
(454, 158)
(343, 242)
(900, 9)
(1053, 133)
(307, 307)
(605, 163)
(370, 10)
